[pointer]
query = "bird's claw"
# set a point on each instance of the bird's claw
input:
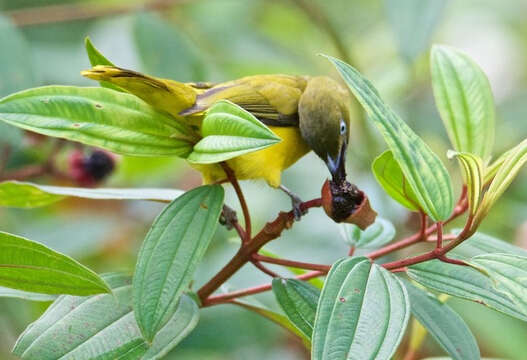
(228, 217)
(298, 212)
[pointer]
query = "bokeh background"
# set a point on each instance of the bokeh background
(41, 42)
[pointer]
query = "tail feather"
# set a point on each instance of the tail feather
(167, 95)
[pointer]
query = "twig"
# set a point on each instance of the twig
(241, 198)
(264, 269)
(72, 12)
(270, 231)
(224, 298)
(291, 263)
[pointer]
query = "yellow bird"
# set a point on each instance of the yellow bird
(307, 113)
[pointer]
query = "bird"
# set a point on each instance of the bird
(308, 113)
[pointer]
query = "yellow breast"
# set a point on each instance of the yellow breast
(266, 164)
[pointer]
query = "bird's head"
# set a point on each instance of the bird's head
(324, 122)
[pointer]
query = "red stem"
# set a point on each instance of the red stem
(241, 198)
(224, 298)
(292, 263)
(264, 269)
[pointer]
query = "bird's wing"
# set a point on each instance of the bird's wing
(273, 99)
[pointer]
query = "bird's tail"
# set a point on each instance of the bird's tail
(167, 95)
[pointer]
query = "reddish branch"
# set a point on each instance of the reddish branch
(291, 263)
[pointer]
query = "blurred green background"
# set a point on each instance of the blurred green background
(41, 42)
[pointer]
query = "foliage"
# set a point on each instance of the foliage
(363, 302)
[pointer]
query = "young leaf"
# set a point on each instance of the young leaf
(479, 244)
(512, 164)
(465, 283)
(445, 325)
(171, 251)
(362, 312)
(29, 266)
(28, 195)
(464, 100)
(229, 131)
(277, 318)
(299, 302)
(413, 23)
(376, 235)
(115, 121)
(101, 327)
(472, 167)
(96, 58)
(423, 170)
(509, 274)
(390, 176)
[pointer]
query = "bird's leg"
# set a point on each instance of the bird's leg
(296, 202)
(228, 217)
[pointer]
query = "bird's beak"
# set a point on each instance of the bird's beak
(337, 166)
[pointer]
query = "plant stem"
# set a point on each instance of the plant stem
(270, 231)
(291, 263)
(241, 198)
(225, 298)
(264, 269)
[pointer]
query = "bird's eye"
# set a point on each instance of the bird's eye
(342, 127)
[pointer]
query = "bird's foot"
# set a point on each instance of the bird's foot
(228, 217)
(296, 202)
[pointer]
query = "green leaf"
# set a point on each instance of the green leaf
(472, 167)
(423, 170)
(115, 121)
(509, 274)
(96, 58)
(28, 195)
(30, 266)
(275, 317)
(390, 176)
(165, 51)
(101, 327)
(464, 99)
(229, 131)
(376, 235)
(413, 23)
(512, 164)
(443, 323)
(299, 302)
(362, 312)
(26, 295)
(480, 243)
(463, 282)
(171, 251)
(492, 169)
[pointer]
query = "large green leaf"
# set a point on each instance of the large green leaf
(29, 195)
(509, 274)
(463, 282)
(413, 23)
(229, 131)
(512, 164)
(464, 100)
(472, 167)
(101, 327)
(299, 302)
(362, 312)
(390, 176)
(376, 235)
(423, 170)
(480, 243)
(171, 251)
(30, 266)
(115, 121)
(165, 51)
(96, 58)
(444, 324)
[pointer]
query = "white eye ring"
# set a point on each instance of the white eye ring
(342, 127)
